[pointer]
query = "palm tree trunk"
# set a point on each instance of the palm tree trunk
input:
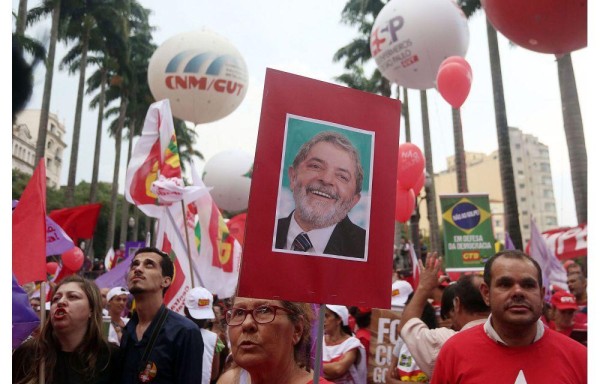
(415, 217)
(21, 18)
(136, 225)
(40, 148)
(98, 143)
(459, 152)
(125, 207)
(110, 236)
(574, 134)
(70, 192)
(430, 195)
(509, 194)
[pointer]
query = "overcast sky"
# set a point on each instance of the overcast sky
(301, 37)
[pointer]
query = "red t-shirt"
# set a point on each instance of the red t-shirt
(364, 336)
(471, 356)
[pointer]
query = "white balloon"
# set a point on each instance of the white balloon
(201, 73)
(228, 172)
(411, 38)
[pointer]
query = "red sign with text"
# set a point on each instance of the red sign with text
(320, 223)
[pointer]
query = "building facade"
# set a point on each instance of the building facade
(25, 134)
(533, 183)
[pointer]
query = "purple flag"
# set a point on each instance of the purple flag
(117, 276)
(24, 319)
(553, 273)
(57, 241)
(508, 243)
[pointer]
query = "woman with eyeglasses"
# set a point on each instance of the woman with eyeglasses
(70, 347)
(270, 339)
(344, 357)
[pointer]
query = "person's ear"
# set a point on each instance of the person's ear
(291, 175)
(355, 200)
(485, 293)
(298, 331)
(166, 282)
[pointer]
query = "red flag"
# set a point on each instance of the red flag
(78, 222)
(29, 230)
(154, 154)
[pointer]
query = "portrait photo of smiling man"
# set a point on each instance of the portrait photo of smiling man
(326, 182)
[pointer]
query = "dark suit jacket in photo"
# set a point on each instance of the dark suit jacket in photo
(347, 238)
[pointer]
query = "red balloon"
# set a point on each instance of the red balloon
(410, 165)
(459, 60)
(419, 184)
(405, 204)
(51, 267)
(454, 83)
(545, 26)
(73, 258)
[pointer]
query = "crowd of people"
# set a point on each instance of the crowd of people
(496, 327)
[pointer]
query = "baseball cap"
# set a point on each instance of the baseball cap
(564, 300)
(116, 291)
(401, 289)
(341, 311)
(199, 302)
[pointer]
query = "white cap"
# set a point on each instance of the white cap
(401, 289)
(116, 291)
(341, 311)
(199, 302)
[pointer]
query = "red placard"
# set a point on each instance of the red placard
(294, 109)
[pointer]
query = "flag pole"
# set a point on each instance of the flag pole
(187, 242)
(181, 239)
(319, 351)
(42, 374)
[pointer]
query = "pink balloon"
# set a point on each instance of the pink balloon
(410, 165)
(419, 184)
(405, 204)
(454, 83)
(51, 267)
(459, 60)
(73, 258)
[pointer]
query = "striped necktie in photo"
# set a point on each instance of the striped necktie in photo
(301, 243)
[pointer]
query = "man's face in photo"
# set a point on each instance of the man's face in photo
(324, 186)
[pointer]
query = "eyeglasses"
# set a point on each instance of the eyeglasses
(262, 315)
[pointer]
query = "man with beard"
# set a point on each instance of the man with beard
(326, 179)
(158, 345)
(513, 346)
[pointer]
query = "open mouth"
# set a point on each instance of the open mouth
(60, 313)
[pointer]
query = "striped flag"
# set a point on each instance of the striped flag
(155, 154)
(414, 279)
(219, 253)
(553, 272)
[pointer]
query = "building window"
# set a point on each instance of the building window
(548, 193)
(549, 207)
(521, 186)
(519, 172)
(519, 160)
(523, 199)
(525, 226)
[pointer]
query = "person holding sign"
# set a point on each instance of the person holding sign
(344, 357)
(326, 180)
(270, 339)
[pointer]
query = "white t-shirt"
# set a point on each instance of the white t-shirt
(112, 332)
(210, 342)
(357, 374)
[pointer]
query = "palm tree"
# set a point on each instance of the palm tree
(509, 194)
(83, 18)
(459, 152)
(574, 135)
(52, 7)
(104, 43)
(132, 66)
(21, 18)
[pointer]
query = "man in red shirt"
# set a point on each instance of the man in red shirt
(563, 315)
(513, 346)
